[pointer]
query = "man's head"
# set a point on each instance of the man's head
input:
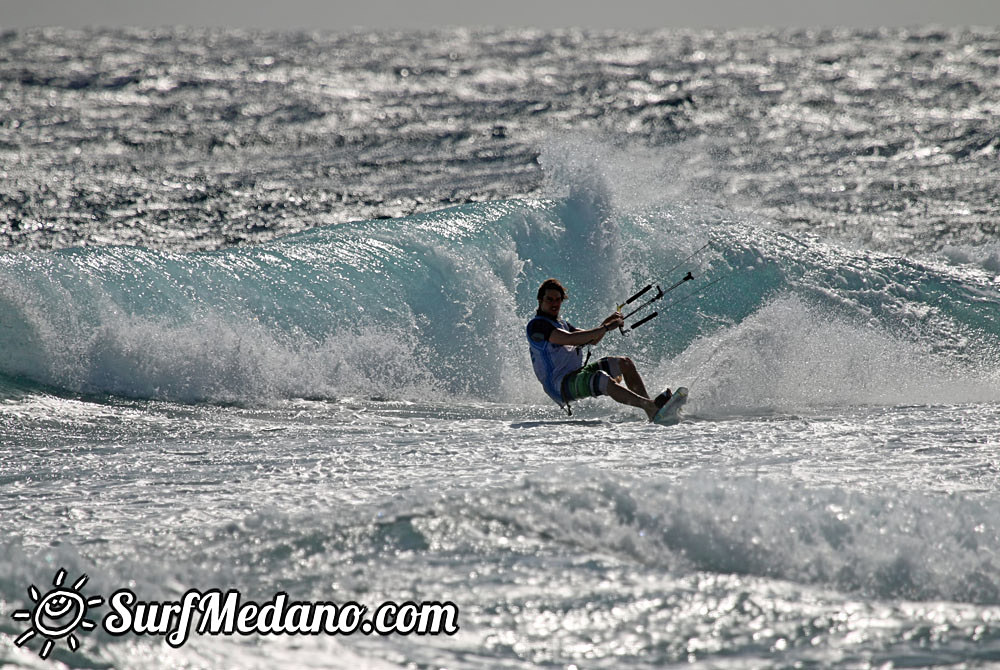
(551, 295)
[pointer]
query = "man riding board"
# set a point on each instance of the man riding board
(558, 361)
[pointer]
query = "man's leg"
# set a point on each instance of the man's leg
(632, 378)
(619, 393)
(623, 367)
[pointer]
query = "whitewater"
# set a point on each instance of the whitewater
(254, 341)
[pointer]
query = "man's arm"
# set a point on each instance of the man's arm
(582, 337)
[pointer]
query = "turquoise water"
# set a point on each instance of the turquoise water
(432, 305)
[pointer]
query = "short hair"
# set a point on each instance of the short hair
(551, 284)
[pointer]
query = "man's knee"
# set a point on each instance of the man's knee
(625, 364)
(616, 366)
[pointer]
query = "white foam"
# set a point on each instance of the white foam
(790, 355)
(986, 256)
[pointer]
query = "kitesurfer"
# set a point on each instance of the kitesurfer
(558, 360)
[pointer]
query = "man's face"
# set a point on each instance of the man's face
(552, 300)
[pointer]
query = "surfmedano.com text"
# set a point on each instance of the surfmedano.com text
(214, 613)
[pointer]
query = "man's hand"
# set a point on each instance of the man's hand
(610, 323)
(614, 321)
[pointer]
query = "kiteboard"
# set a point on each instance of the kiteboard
(669, 414)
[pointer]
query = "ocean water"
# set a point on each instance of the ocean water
(262, 301)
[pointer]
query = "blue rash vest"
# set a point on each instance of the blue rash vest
(552, 362)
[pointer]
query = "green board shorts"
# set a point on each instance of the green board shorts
(591, 380)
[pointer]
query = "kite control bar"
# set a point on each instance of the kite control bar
(662, 292)
(659, 294)
(659, 291)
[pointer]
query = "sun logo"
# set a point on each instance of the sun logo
(57, 614)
